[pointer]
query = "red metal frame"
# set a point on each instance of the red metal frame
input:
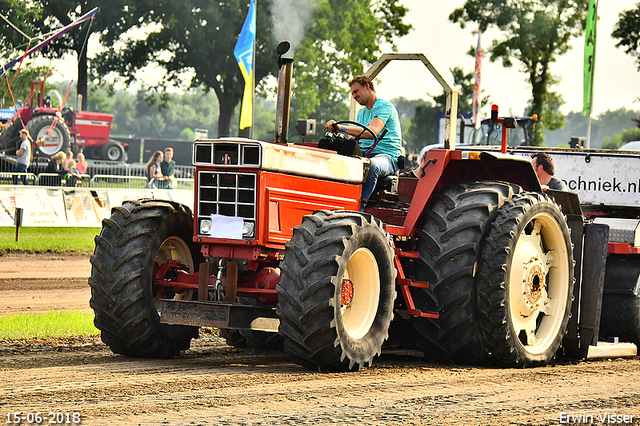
(622, 248)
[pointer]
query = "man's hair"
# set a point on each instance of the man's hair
(168, 149)
(543, 159)
(362, 80)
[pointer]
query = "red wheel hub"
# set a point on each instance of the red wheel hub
(346, 293)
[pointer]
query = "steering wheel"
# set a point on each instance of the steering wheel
(376, 139)
(364, 128)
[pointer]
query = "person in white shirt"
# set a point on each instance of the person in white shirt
(24, 156)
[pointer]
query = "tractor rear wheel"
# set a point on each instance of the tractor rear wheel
(621, 318)
(112, 151)
(450, 245)
(336, 291)
(59, 139)
(621, 301)
(138, 238)
(525, 284)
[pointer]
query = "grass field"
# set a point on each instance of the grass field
(67, 240)
(50, 324)
(48, 240)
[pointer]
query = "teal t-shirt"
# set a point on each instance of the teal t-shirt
(391, 143)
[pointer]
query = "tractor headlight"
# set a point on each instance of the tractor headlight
(205, 226)
(248, 229)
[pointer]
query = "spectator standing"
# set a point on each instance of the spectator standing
(154, 169)
(168, 167)
(24, 156)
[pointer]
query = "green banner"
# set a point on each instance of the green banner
(589, 57)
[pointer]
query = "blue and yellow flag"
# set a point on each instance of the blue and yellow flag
(589, 58)
(244, 54)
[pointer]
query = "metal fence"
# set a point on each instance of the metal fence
(100, 174)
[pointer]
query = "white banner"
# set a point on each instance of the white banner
(74, 206)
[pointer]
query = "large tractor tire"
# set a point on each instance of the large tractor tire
(336, 291)
(112, 151)
(525, 284)
(10, 138)
(58, 140)
(621, 300)
(137, 236)
(450, 246)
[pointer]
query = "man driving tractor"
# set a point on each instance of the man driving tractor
(378, 115)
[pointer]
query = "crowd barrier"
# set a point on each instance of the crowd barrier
(51, 206)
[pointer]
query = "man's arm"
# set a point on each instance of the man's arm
(20, 152)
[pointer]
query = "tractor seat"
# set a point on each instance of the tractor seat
(388, 183)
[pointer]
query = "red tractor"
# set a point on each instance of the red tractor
(61, 128)
(472, 262)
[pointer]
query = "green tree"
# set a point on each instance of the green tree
(56, 14)
(424, 125)
(619, 139)
(338, 42)
(191, 40)
(535, 33)
(604, 125)
(198, 37)
(18, 32)
(19, 27)
(627, 31)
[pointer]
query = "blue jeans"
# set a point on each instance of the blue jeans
(20, 168)
(381, 165)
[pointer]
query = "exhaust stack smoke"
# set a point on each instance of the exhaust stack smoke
(285, 75)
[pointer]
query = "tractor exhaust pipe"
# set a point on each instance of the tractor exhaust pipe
(285, 75)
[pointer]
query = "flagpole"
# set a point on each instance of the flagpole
(589, 65)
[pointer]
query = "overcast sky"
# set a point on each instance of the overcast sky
(617, 79)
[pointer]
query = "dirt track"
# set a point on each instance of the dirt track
(215, 384)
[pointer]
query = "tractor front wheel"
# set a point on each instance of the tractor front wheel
(336, 291)
(137, 239)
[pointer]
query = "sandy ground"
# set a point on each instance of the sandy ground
(38, 283)
(214, 384)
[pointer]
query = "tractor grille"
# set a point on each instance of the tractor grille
(229, 194)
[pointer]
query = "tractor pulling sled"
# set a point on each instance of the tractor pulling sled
(471, 263)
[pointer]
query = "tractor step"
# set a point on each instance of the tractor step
(218, 314)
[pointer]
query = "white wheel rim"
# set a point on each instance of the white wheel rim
(362, 274)
(52, 142)
(539, 283)
(175, 248)
(113, 153)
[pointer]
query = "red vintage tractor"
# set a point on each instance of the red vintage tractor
(61, 128)
(471, 262)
